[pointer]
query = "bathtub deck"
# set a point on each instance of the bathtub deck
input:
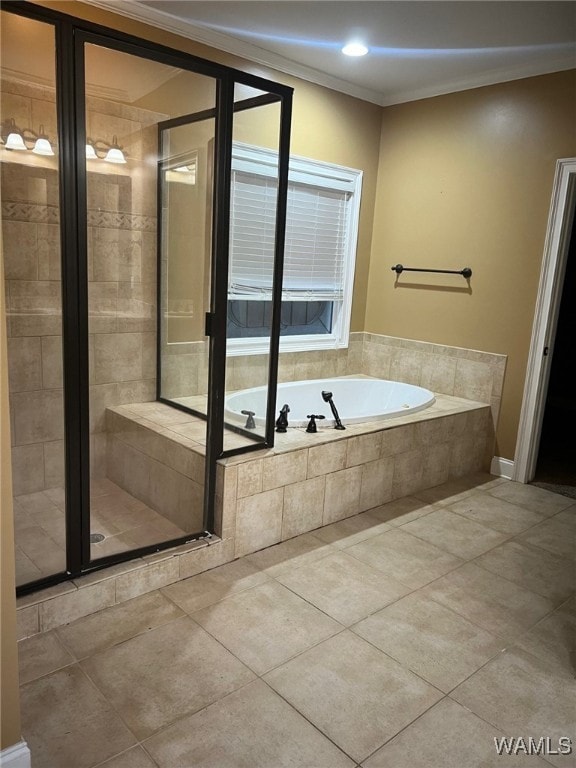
(190, 430)
(157, 454)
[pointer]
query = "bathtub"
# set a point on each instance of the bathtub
(357, 400)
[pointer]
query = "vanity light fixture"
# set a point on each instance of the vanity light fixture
(355, 49)
(103, 150)
(18, 139)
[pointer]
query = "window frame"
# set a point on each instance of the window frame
(332, 177)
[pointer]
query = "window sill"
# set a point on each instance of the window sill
(238, 347)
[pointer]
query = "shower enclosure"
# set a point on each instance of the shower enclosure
(116, 168)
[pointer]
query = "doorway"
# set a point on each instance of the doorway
(556, 463)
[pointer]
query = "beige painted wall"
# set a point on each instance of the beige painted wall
(9, 698)
(466, 180)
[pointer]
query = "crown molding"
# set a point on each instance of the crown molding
(256, 55)
(222, 42)
(481, 79)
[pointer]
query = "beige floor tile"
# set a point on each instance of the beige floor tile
(344, 587)
(291, 554)
(211, 586)
(555, 535)
(554, 638)
(67, 722)
(25, 569)
(523, 695)
(455, 534)
(40, 655)
(102, 630)
(537, 499)
(458, 489)
(496, 513)
(102, 486)
(352, 692)
(402, 511)
(568, 517)
(351, 531)
(173, 670)
(41, 549)
(403, 557)
(265, 626)
(133, 758)
(126, 522)
(252, 727)
(448, 736)
(533, 568)
(434, 642)
(496, 604)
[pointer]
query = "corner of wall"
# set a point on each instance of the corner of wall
(9, 694)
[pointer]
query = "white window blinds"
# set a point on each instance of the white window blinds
(317, 221)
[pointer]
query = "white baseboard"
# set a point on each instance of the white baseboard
(502, 467)
(16, 756)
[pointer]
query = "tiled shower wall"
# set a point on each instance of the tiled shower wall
(122, 232)
(30, 227)
(121, 274)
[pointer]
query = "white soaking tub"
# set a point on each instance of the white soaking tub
(356, 399)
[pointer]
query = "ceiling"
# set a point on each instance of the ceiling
(417, 48)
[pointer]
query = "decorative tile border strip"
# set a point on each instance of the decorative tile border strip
(33, 212)
(113, 220)
(50, 214)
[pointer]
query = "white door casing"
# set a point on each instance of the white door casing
(552, 274)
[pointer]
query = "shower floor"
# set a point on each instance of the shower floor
(124, 521)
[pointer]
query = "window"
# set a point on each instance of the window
(319, 256)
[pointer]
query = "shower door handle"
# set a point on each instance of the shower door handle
(208, 323)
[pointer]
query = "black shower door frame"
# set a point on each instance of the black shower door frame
(72, 35)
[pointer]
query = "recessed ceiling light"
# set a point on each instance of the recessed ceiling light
(355, 49)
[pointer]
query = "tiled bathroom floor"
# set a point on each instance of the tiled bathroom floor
(124, 521)
(410, 636)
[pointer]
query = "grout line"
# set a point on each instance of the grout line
(316, 727)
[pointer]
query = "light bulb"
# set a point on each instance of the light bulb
(43, 147)
(355, 49)
(115, 155)
(15, 141)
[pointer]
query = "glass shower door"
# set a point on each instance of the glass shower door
(258, 182)
(147, 173)
(185, 207)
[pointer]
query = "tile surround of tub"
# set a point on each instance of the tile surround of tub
(295, 487)
(465, 373)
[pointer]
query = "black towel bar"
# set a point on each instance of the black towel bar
(466, 272)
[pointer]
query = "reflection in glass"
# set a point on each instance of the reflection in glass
(254, 194)
(146, 458)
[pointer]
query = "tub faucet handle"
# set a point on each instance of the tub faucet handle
(282, 420)
(250, 423)
(312, 423)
